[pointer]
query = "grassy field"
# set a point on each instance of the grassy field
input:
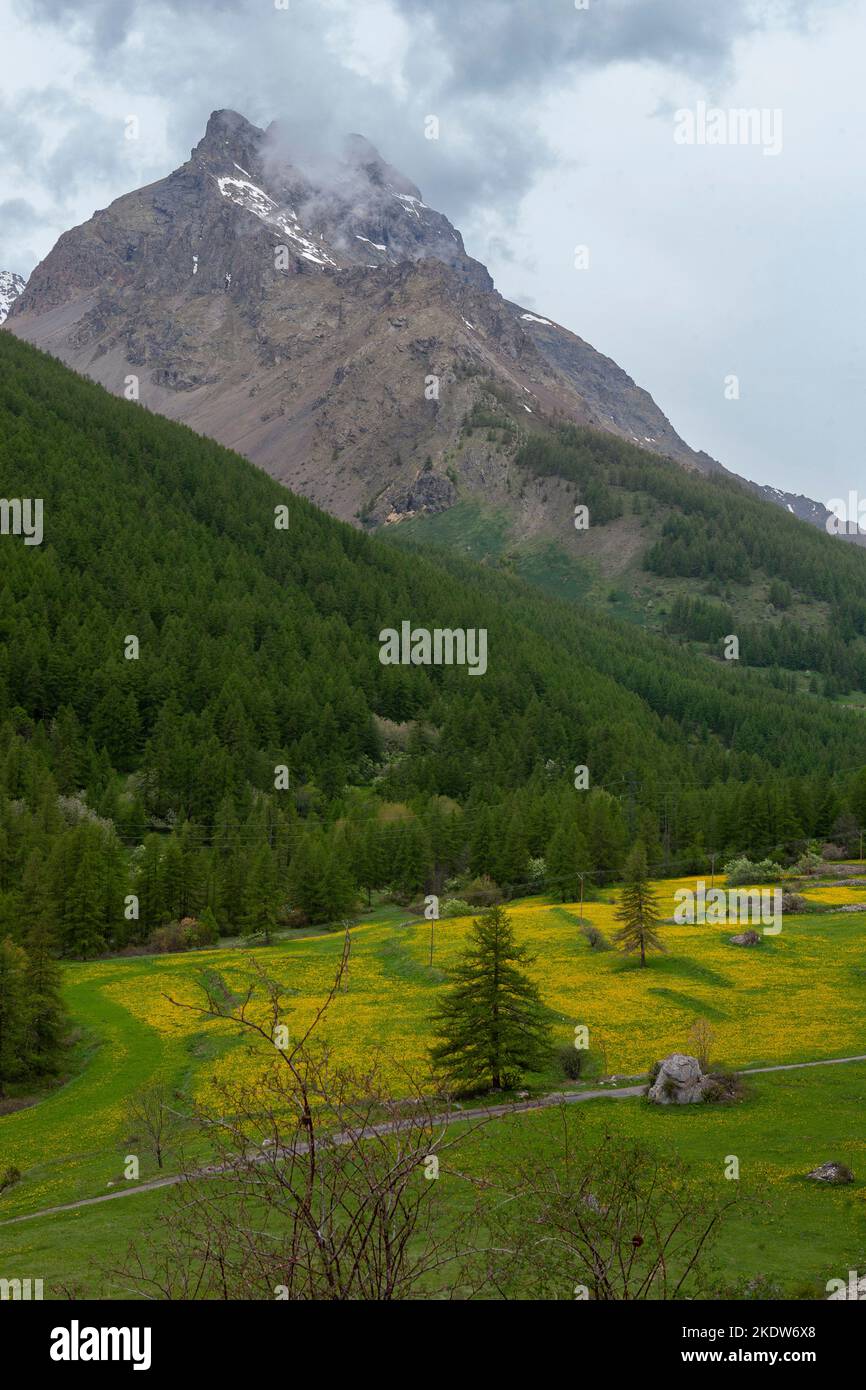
(785, 1235)
(798, 996)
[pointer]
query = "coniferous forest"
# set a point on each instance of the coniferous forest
(432, 674)
(255, 763)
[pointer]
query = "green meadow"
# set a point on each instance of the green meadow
(800, 996)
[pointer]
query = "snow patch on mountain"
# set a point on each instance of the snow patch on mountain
(248, 195)
(410, 204)
(11, 286)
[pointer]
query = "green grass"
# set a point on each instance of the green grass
(785, 1230)
(473, 531)
(798, 996)
(486, 535)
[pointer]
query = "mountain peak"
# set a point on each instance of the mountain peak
(228, 135)
(295, 302)
(226, 124)
(11, 285)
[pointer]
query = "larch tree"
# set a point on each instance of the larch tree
(493, 1025)
(638, 908)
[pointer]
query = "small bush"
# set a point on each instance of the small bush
(596, 939)
(537, 873)
(743, 870)
(483, 892)
(185, 935)
(831, 851)
(455, 907)
(9, 1177)
(795, 902)
(723, 1087)
(570, 1061)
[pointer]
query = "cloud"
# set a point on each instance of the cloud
(484, 68)
(537, 96)
(61, 141)
(19, 223)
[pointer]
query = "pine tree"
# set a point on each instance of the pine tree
(262, 895)
(13, 1013)
(45, 1012)
(414, 858)
(567, 860)
(638, 908)
(512, 863)
(148, 886)
(83, 909)
(340, 895)
(492, 1026)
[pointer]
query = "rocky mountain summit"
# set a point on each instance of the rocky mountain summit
(11, 285)
(319, 317)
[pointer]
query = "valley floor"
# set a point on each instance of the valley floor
(798, 997)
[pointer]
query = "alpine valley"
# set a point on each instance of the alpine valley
(330, 325)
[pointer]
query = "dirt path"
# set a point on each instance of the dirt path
(391, 1126)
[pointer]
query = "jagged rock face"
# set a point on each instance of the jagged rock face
(621, 406)
(297, 310)
(11, 286)
(680, 1081)
(296, 318)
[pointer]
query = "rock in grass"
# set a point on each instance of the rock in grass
(746, 938)
(835, 1173)
(679, 1081)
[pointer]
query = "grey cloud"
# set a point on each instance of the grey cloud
(499, 48)
(19, 220)
(463, 62)
(106, 24)
(59, 141)
(496, 46)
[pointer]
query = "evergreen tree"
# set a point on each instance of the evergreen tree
(83, 910)
(638, 908)
(492, 1026)
(567, 859)
(262, 896)
(45, 1012)
(14, 1013)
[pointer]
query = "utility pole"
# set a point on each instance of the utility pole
(713, 868)
(432, 922)
(580, 876)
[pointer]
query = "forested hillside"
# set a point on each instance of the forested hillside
(694, 555)
(258, 649)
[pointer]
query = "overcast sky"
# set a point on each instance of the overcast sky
(557, 129)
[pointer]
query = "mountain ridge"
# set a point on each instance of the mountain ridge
(295, 312)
